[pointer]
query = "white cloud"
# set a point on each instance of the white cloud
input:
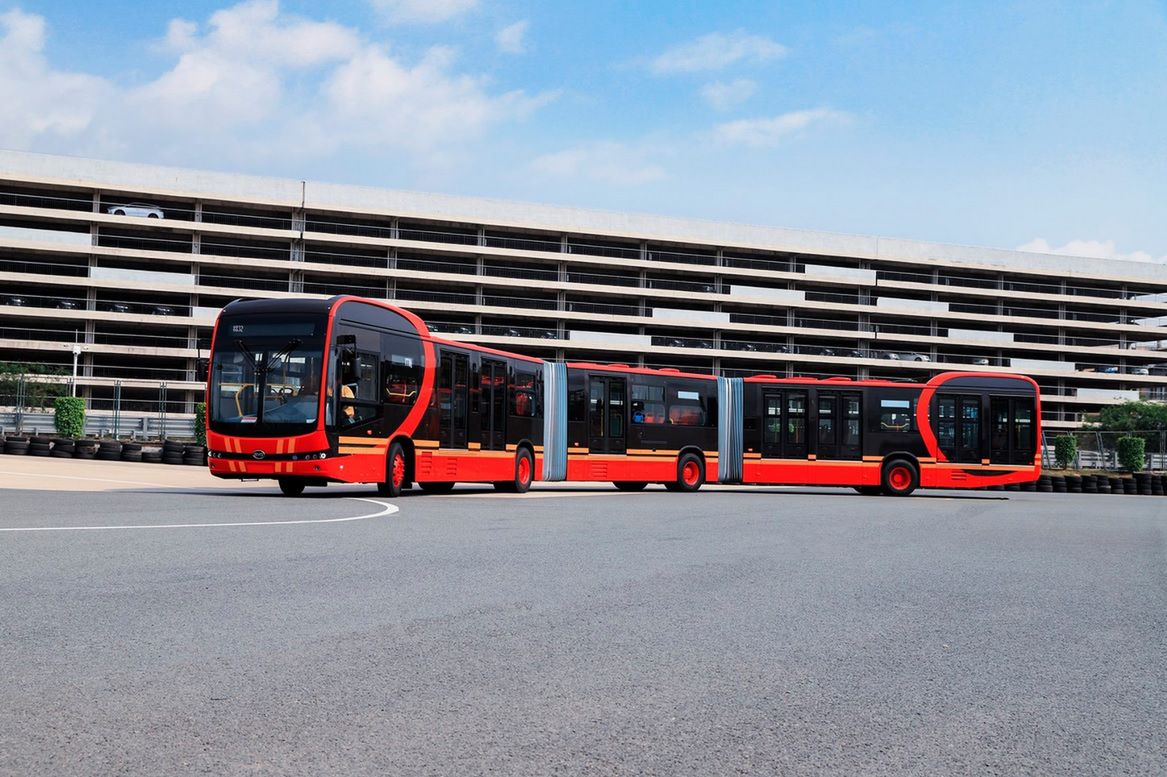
(39, 102)
(421, 11)
(252, 83)
(1097, 249)
(604, 162)
(424, 106)
(723, 95)
(765, 132)
(716, 51)
(510, 38)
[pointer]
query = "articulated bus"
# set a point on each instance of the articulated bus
(347, 390)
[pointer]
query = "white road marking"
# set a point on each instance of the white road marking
(389, 510)
(93, 480)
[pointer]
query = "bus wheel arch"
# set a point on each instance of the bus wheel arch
(523, 472)
(690, 469)
(410, 457)
(900, 474)
(398, 470)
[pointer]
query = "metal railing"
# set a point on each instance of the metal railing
(1099, 450)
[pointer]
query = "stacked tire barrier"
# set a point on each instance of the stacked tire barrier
(40, 446)
(131, 451)
(194, 455)
(64, 448)
(16, 446)
(172, 452)
(109, 450)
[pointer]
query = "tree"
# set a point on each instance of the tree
(36, 393)
(1133, 416)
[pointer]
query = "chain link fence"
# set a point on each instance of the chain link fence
(120, 409)
(1099, 450)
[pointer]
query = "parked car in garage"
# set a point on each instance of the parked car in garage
(139, 209)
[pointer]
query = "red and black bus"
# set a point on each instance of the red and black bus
(313, 391)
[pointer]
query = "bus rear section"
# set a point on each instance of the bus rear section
(959, 430)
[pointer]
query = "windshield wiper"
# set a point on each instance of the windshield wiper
(262, 369)
(287, 349)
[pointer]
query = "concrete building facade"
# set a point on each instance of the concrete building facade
(129, 264)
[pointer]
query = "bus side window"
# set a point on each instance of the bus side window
(523, 397)
(401, 380)
(895, 415)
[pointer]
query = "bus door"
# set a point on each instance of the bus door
(1013, 439)
(607, 417)
(454, 396)
(839, 425)
(784, 424)
(494, 391)
(958, 427)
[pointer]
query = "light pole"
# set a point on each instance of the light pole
(76, 353)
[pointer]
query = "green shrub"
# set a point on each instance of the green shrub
(69, 416)
(1065, 449)
(201, 423)
(1132, 453)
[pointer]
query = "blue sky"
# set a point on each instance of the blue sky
(1037, 124)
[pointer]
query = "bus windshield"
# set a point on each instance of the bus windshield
(265, 376)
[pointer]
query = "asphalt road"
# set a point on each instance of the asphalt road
(787, 632)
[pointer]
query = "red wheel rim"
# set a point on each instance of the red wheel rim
(690, 473)
(524, 470)
(899, 478)
(398, 469)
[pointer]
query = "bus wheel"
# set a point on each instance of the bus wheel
(869, 490)
(442, 487)
(291, 486)
(690, 472)
(900, 477)
(394, 472)
(629, 485)
(524, 474)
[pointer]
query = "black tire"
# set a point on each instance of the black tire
(630, 485)
(899, 477)
(291, 486)
(84, 453)
(14, 446)
(37, 447)
(152, 455)
(443, 487)
(131, 455)
(170, 446)
(690, 473)
(171, 459)
(524, 474)
(869, 490)
(395, 468)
